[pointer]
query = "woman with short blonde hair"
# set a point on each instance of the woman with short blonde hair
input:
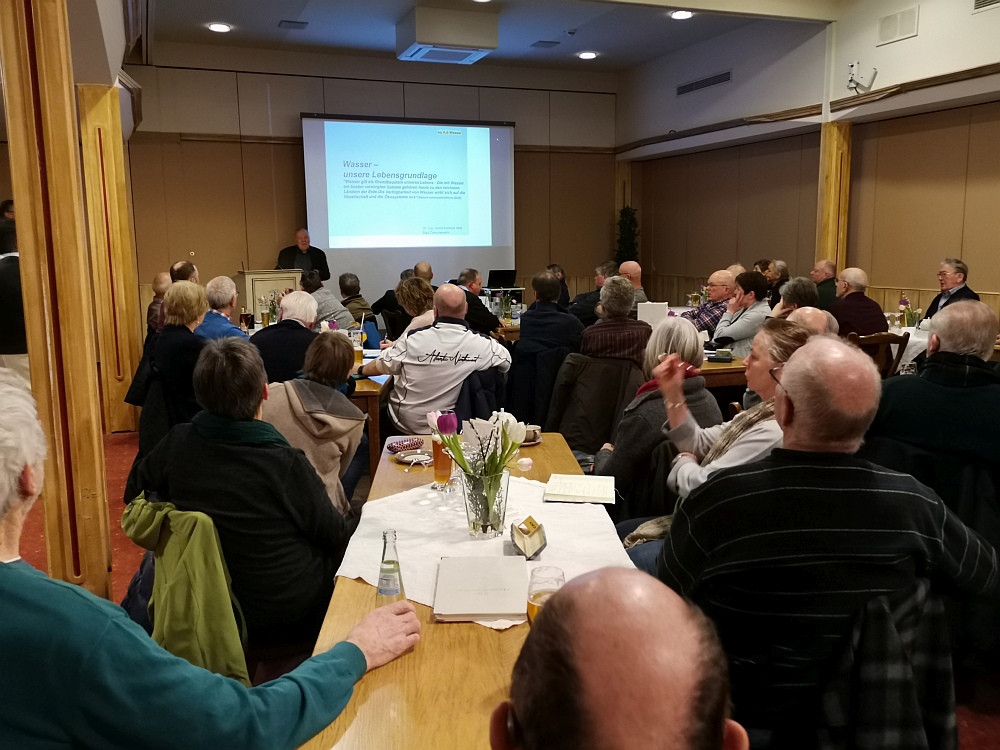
(183, 304)
(176, 350)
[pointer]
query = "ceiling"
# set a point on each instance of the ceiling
(622, 35)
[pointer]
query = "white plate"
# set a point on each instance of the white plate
(533, 442)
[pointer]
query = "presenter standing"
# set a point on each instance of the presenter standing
(304, 256)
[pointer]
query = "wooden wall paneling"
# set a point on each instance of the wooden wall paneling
(112, 261)
(151, 164)
(833, 202)
(529, 110)
(5, 187)
(981, 225)
(582, 211)
(531, 212)
(42, 122)
(769, 194)
(864, 179)
(807, 199)
(198, 101)
(666, 205)
(439, 102)
(275, 199)
(345, 96)
(271, 105)
(713, 213)
(920, 200)
(579, 119)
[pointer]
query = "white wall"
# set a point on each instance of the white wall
(97, 39)
(775, 66)
(950, 38)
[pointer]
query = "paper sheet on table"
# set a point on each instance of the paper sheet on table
(380, 379)
(430, 525)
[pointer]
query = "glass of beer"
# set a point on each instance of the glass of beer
(545, 581)
(265, 318)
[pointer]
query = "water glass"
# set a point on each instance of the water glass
(545, 581)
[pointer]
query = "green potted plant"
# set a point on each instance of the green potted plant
(627, 247)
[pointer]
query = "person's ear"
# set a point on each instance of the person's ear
(734, 737)
(27, 486)
(265, 394)
(933, 344)
(500, 724)
(784, 409)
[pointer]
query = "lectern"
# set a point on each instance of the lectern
(252, 285)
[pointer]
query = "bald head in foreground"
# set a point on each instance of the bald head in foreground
(586, 681)
(821, 533)
(816, 320)
(450, 302)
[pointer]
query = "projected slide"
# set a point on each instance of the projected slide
(393, 185)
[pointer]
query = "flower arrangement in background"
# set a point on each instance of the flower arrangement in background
(911, 315)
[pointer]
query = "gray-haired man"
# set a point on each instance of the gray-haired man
(218, 324)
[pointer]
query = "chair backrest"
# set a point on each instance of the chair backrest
(879, 347)
(532, 377)
(735, 407)
(483, 393)
(395, 323)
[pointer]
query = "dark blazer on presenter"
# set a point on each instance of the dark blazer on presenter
(478, 317)
(961, 293)
(313, 259)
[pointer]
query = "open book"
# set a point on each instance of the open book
(481, 588)
(573, 488)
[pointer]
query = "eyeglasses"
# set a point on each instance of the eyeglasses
(773, 372)
(716, 285)
(947, 273)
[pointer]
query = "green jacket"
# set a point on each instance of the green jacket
(193, 609)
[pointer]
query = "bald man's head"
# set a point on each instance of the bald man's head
(823, 270)
(449, 302)
(631, 271)
(828, 397)
(720, 285)
(424, 271)
(816, 320)
(160, 284)
(586, 681)
(854, 280)
(736, 269)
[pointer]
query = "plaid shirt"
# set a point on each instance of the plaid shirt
(706, 316)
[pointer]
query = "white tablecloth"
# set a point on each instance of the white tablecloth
(430, 525)
(916, 344)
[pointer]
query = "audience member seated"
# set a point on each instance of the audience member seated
(633, 272)
(587, 680)
(282, 539)
(176, 350)
(707, 315)
(736, 269)
(430, 364)
(304, 256)
(796, 293)
(824, 276)
(615, 335)
(943, 407)
(283, 345)
(179, 271)
(350, 291)
(82, 668)
(160, 283)
(416, 296)
(560, 274)
(423, 270)
(221, 294)
(639, 431)
(745, 313)
(478, 317)
(854, 311)
(547, 325)
(762, 266)
(816, 320)
(783, 552)
(314, 415)
(777, 277)
(388, 302)
(13, 334)
(328, 306)
(952, 276)
(584, 306)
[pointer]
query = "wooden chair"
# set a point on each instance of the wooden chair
(735, 407)
(879, 347)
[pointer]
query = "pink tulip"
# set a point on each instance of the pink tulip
(447, 424)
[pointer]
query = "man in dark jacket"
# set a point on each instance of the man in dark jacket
(854, 311)
(283, 345)
(13, 337)
(824, 276)
(943, 407)
(584, 306)
(951, 278)
(304, 256)
(478, 317)
(547, 326)
(281, 537)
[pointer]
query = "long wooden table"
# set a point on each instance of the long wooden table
(368, 395)
(441, 694)
(720, 374)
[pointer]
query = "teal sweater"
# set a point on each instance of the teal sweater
(80, 674)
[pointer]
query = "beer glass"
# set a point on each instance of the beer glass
(545, 581)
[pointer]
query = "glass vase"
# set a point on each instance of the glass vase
(485, 503)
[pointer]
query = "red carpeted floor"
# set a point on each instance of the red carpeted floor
(978, 719)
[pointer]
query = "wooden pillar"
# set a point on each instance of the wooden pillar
(834, 192)
(113, 265)
(55, 275)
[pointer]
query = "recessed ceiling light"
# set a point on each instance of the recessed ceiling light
(587, 55)
(480, 1)
(222, 28)
(681, 15)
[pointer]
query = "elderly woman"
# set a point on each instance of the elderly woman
(798, 292)
(415, 296)
(177, 348)
(750, 436)
(315, 415)
(745, 314)
(639, 432)
(777, 277)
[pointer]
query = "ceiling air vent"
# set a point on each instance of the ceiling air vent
(545, 44)
(898, 26)
(704, 83)
(981, 5)
(296, 25)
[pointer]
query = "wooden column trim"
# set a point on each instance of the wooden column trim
(834, 192)
(55, 273)
(113, 264)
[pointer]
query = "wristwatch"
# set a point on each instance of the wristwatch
(358, 371)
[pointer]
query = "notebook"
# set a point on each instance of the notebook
(574, 488)
(481, 588)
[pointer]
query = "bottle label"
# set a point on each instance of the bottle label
(388, 584)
